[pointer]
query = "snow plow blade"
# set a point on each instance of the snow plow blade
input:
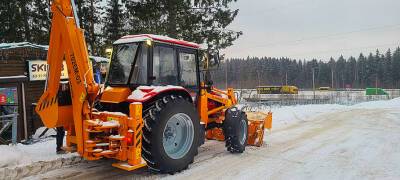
(258, 121)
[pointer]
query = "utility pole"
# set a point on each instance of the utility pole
(313, 82)
(343, 85)
(332, 78)
(259, 84)
(226, 74)
(286, 78)
(376, 84)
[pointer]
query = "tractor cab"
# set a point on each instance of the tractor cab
(153, 60)
(145, 61)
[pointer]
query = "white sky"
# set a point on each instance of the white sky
(306, 29)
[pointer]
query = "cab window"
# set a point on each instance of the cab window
(121, 63)
(139, 75)
(188, 69)
(165, 68)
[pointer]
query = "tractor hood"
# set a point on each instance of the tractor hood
(115, 94)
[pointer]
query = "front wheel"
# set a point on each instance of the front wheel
(170, 135)
(235, 130)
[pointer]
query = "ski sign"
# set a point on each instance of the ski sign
(38, 70)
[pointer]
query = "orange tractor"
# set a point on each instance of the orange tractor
(158, 105)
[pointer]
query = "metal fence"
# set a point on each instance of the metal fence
(308, 97)
(8, 123)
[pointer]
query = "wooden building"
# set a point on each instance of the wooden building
(29, 60)
(14, 59)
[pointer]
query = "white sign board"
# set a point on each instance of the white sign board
(38, 70)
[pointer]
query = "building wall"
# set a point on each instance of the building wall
(13, 62)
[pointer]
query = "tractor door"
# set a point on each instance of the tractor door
(165, 65)
(188, 70)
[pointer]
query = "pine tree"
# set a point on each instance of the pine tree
(6, 17)
(340, 72)
(41, 22)
(332, 65)
(387, 70)
(351, 72)
(324, 75)
(379, 60)
(15, 19)
(362, 73)
(113, 21)
(89, 17)
(196, 21)
(371, 71)
(396, 67)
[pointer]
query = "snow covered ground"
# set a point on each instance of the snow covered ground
(306, 142)
(20, 154)
(287, 115)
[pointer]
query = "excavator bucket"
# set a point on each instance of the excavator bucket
(257, 122)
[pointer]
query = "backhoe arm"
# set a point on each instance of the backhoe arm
(67, 43)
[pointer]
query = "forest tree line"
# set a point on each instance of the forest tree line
(375, 69)
(104, 21)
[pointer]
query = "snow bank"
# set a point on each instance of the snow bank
(293, 114)
(287, 115)
(9, 156)
(20, 154)
(393, 103)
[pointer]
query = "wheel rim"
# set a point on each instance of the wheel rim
(243, 128)
(178, 135)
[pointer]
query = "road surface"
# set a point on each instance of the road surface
(345, 144)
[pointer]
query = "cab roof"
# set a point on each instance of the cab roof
(157, 38)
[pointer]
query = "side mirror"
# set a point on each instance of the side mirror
(216, 60)
(109, 52)
(210, 60)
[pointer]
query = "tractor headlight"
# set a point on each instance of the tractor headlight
(109, 50)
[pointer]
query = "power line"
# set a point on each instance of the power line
(395, 26)
(347, 49)
(285, 6)
(397, 43)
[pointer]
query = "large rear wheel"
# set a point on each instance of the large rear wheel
(170, 135)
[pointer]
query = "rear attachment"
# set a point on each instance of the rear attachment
(115, 135)
(258, 121)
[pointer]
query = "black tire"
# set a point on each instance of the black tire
(155, 118)
(235, 130)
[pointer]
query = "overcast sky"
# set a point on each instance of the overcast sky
(306, 29)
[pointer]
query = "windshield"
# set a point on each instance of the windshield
(121, 63)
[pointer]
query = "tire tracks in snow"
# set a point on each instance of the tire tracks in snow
(323, 146)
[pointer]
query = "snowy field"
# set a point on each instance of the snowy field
(306, 142)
